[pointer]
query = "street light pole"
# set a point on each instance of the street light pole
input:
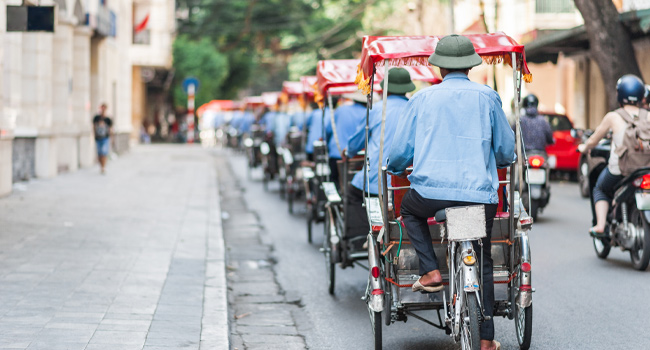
(191, 88)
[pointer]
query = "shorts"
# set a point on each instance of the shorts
(103, 147)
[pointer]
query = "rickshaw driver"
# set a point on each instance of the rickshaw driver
(456, 135)
(315, 129)
(399, 83)
(347, 118)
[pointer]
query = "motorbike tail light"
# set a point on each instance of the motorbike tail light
(525, 267)
(536, 161)
(375, 272)
(643, 182)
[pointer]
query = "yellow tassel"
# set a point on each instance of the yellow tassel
(528, 78)
(362, 84)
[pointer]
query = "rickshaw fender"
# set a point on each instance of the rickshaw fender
(375, 292)
(524, 299)
(471, 280)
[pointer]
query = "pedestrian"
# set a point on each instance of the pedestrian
(456, 135)
(103, 128)
(399, 83)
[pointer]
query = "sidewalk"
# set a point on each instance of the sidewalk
(130, 260)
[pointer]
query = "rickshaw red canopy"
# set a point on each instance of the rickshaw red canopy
(252, 101)
(308, 82)
(216, 105)
(293, 88)
(271, 98)
(339, 76)
(415, 51)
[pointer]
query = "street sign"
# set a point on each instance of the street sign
(190, 81)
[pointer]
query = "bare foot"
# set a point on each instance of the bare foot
(431, 278)
(489, 345)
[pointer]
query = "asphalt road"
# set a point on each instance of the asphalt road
(581, 302)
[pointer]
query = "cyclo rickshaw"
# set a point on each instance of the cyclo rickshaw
(213, 119)
(392, 260)
(337, 77)
(292, 93)
(268, 147)
(294, 153)
(253, 141)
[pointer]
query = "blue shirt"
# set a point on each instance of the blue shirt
(299, 119)
(456, 136)
(347, 118)
(281, 125)
(395, 105)
(267, 121)
(245, 125)
(315, 124)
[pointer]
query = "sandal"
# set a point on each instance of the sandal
(419, 287)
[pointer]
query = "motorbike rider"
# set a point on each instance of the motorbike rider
(456, 135)
(535, 130)
(399, 83)
(630, 92)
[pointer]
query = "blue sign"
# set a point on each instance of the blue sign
(191, 81)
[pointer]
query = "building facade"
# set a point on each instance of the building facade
(53, 84)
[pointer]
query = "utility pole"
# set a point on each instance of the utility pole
(453, 21)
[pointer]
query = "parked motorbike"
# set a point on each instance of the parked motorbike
(537, 177)
(628, 220)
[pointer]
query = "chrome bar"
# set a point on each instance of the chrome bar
(390, 188)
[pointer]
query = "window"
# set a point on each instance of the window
(559, 122)
(554, 6)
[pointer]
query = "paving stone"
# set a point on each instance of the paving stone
(122, 254)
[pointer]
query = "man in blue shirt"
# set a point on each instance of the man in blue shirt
(315, 129)
(347, 119)
(455, 135)
(399, 83)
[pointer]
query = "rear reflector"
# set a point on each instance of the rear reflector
(525, 267)
(375, 272)
(377, 292)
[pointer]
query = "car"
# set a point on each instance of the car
(562, 155)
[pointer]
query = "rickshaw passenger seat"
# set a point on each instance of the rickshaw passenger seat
(441, 215)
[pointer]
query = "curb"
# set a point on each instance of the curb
(215, 328)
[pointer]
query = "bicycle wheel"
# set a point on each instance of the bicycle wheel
(310, 220)
(470, 336)
(327, 250)
(375, 322)
(524, 325)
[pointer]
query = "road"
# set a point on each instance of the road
(581, 302)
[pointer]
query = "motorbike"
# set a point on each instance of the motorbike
(628, 219)
(537, 177)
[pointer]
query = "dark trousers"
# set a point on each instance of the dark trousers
(604, 189)
(415, 212)
(356, 218)
(334, 172)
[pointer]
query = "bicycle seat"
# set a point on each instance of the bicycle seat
(441, 215)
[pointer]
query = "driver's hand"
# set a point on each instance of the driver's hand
(344, 155)
(582, 148)
(403, 175)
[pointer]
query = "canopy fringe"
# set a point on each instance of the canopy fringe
(364, 83)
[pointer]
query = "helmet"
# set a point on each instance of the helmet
(530, 101)
(630, 90)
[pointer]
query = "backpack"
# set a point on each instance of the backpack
(634, 152)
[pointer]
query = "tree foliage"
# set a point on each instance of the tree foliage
(611, 46)
(200, 59)
(268, 41)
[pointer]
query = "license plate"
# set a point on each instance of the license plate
(642, 200)
(536, 176)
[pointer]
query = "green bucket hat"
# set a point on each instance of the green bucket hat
(399, 81)
(455, 52)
